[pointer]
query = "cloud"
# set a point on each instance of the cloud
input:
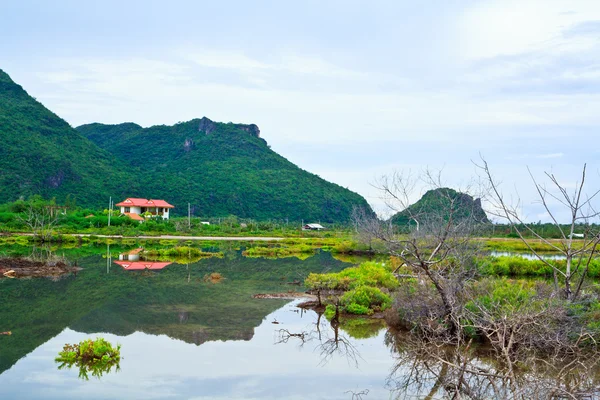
(584, 29)
(550, 155)
(519, 80)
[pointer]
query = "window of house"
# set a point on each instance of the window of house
(126, 209)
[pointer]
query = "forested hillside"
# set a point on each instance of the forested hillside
(41, 154)
(223, 169)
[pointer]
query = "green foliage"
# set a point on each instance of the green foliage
(366, 274)
(504, 296)
(364, 300)
(370, 273)
(97, 357)
(362, 285)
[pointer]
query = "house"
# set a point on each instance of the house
(312, 227)
(138, 208)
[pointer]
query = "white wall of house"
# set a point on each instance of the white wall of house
(133, 210)
(166, 214)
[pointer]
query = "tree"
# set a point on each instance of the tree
(40, 218)
(579, 206)
(438, 247)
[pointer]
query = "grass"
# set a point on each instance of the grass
(517, 245)
(515, 266)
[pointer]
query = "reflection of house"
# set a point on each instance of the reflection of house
(135, 208)
(313, 227)
(129, 257)
(131, 261)
(141, 265)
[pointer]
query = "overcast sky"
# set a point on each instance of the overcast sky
(349, 90)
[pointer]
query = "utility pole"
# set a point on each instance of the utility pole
(189, 217)
(109, 209)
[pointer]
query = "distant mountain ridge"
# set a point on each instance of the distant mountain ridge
(219, 168)
(223, 168)
(438, 204)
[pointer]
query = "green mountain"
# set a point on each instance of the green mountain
(438, 204)
(222, 169)
(42, 154)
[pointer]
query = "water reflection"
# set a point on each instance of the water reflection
(426, 370)
(159, 367)
(527, 256)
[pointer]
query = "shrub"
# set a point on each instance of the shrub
(97, 357)
(364, 300)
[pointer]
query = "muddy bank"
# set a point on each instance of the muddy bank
(22, 267)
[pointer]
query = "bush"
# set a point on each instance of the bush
(97, 357)
(364, 300)
(366, 274)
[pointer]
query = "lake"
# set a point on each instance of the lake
(184, 337)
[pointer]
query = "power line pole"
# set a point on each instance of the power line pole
(109, 209)
(189, 217)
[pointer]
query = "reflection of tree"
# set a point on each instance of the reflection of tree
(426, 370)
(337, 344)
(285, 336)
(331, 342)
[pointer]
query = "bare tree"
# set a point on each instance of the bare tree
(437, 246)
(40, 220)
(579, 206)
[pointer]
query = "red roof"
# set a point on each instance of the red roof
(135, 216)
(133, 202)
(140, 265)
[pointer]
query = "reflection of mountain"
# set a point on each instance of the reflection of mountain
(176, 301)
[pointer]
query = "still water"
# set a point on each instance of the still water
(183, 337)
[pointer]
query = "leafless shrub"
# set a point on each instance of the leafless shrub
(40, 220)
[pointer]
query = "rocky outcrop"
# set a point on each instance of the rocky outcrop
(188, 144)
(251, 129)
(208, 126)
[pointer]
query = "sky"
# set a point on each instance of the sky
(349, 90)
